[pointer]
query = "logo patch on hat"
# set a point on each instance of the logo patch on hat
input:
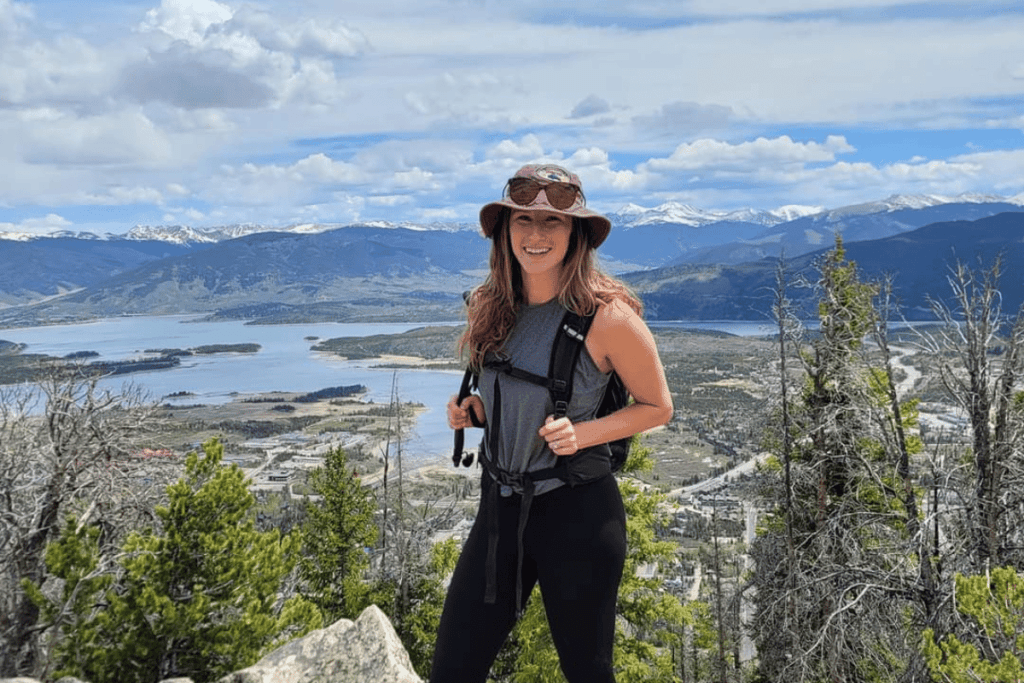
(555, 174)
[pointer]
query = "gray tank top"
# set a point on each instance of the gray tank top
(524, 405)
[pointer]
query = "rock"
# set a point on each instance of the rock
(364, 651)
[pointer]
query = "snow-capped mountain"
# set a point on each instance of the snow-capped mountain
(17, 236)
(633, 215)
(628, 217)
(184, 234)
(859, 222)
(902, 202)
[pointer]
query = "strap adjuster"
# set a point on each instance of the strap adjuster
(573, 332)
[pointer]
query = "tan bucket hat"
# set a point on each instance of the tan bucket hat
(563, 194)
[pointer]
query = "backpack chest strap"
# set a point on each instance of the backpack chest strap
(559, 388)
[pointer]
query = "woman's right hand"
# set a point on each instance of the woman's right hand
(458, 415)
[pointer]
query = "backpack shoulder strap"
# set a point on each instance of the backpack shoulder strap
(565, 351)
(469, 380)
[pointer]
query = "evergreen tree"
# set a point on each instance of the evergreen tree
(199, 596)
(338, 533)
(994, 606)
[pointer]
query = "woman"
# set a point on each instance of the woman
(571, 539)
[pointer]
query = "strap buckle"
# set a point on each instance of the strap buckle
(573, 332)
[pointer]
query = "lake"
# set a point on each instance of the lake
(283, 363)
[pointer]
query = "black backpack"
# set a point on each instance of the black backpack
(565, 351)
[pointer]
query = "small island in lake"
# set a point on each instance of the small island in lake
(208, 349)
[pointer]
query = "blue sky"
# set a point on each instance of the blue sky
(207, 113)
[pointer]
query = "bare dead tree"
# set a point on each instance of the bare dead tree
(407, 526)
(384, 481)
(988, 348)
(65, 447)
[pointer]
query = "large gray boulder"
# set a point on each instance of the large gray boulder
(364, 651)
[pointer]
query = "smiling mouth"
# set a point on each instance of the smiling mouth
(536, 251)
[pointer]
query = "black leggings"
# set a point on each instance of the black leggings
(574, 545)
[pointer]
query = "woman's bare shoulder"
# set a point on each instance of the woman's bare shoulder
(616, 331)
(615, 316)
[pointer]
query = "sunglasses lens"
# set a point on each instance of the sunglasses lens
(523, 191)
(560, 195)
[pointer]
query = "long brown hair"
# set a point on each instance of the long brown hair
(493, 306)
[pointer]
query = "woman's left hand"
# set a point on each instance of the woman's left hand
(560, 435)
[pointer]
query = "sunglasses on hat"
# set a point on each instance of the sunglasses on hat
(561, 196)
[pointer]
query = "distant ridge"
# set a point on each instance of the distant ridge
(919, 261)
(629, 216)
(388, 271)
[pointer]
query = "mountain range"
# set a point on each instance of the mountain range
(919, 262)
(685, 262)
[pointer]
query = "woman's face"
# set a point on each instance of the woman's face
(540, 239)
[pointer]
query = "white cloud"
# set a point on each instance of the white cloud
(1003, 170)
(121, 196)
(201, 121)
(37, 226)
(308, 37)
(685, 118)
(588, 157)
(11, 15)
(186, 20)
(321, 168)
(845, 183)
(471, 97)
(121, 137)
(189, 80)
(57, 72)
(389, 200)
(775, 8)
(414, 179)
(440, 215)
(714, 155)
(590, 106)
(214, 57)
(269, 184)
(528, 148)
